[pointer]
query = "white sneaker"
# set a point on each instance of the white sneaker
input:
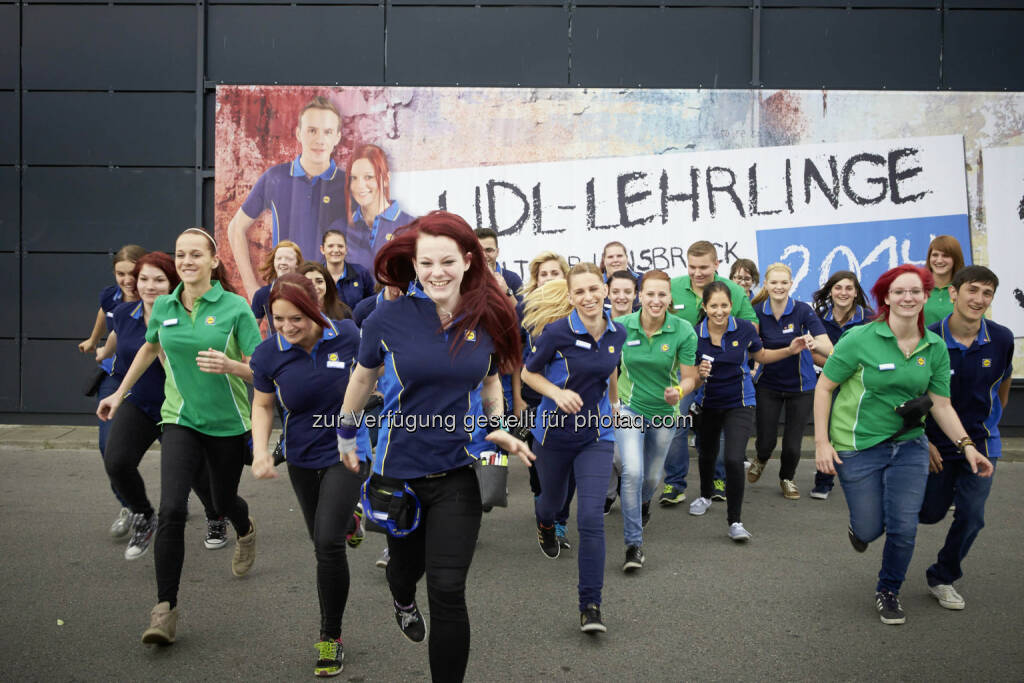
(738, 533)
(700, 506)
(947, 596)
(122, 523)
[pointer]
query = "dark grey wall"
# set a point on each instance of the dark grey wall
(107, 109)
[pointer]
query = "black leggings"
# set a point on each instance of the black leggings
(131, 434)
(442, 546)
(186, 452)
(327, 497)
(738, 424)
(799, 405)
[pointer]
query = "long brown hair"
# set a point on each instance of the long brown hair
(333, 307)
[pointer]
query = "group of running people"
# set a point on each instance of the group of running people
(600, 372)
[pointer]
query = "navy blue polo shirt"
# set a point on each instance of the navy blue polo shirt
(636, 299)
(310, 388)
(729, 385)
(301, 209)
(861, 316)
(428, 389)
(512, 280)
(570, 358)
(110, 298)
(975, 374)
(148, 392)
(364, 241)
(354, 285)
(795, 373)
(365, 307)
(261, 306)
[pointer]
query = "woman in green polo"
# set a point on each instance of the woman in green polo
(881, 457)
(945, 258)
(206, 334)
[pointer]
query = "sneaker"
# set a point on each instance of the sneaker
(634, 558)
(245, 551)
(672, 495)
(590, 620)
(216, 533)
(383, 559)
(122, 524)
(738, 533)
(890, 611)
(858, 545)
(947, 596)
(718, 489)
(563, 540)
(645, 514)
(142, 533)
(820, 492)
(608, 502)
(356, 537)
(330, 659)
(756, 470)
(789, 489)
(700, 506)
(163, 622)
(411, 622)
(549, 544)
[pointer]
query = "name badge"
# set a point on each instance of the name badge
(708, 358)
(170, 322)
(788, 329)
(635, 342)
(340, 364)
(887, 366)
(952, 371)
(679, 307)
(583, 344)
(110, 314)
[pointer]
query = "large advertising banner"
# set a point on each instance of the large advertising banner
(1004, 210)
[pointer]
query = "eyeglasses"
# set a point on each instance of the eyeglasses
(898, 293)
(743, 278)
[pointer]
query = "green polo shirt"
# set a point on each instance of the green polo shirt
(215, 405)
(687, 303)
(874, 377)
(938, 306)
(649, 365)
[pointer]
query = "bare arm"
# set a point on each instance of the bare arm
(360, 384)
(766, 356)
(98, 326)
(217, 363)
(566, 399)
(262, 420)
(1004, 391)
(108, 349)
(143, 359)
(613, 388)
(491, 397)
(825, 455)
(238, 240)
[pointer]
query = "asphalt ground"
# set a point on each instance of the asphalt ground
(795, 603)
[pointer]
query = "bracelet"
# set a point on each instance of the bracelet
(963, 443)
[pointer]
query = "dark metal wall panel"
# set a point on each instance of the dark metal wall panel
(10, 188)
(813, 48)
(477, 46)
(484, 3)
(62, 293)
(672, 47)
(984, 50)
(9, 371)
(115, 47)
(9, 283)
(99, 209)
(210, 125)
(128, 129)
(983, 4)
(886, 4)
(653, 4)
(52, 376)
(9, 40)
(295, 44)
(8, 124)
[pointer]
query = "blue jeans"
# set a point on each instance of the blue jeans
(592, 465)
(677, 462)
(108, 385)
(643, 452)
(884, 487)
(955, 484)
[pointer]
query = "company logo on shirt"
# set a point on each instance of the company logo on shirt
(664, 347)
(735, 343)
(920, 361)
(211, 319)
(332, 356)
(986, 362)
(327, 199)
(788, 329)
(611, 349)
(470, 335)
(389, 236)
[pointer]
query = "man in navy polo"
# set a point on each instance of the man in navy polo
(981, 365)
(305, 196)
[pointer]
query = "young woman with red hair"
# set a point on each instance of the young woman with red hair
(890, 373)
(306, 365)
(373, 217)
(440, 345)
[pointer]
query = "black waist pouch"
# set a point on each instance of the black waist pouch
(913, 413)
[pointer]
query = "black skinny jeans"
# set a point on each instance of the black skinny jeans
(186, 453)
(442, 547)
(738, 424)
(327, 497)
(799, 405)
(132, 432)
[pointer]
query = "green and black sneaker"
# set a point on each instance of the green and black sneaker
(330, 658)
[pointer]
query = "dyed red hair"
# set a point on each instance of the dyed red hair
(482, 302)
(375, 155)
(880, 289)
(298, 290)
(158, 259)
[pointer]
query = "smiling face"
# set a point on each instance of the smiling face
(941, 263)
(972, 300)
(743, 279)
(656, 298)
(293, 325)
(615, 259)
(718, 308)
(334, 249)
(548, 271)
(701, 270)
(125, 278)
(440, 266)
(318, 132)
(285, 261)
(621, 292)
(587, 293)
(778, 283)
(152, 283)
(194, 259)
(843, 294)
(906, 297)
(365, 186)
(317, 278)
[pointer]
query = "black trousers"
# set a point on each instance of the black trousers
(442, 547)
(799, 405)
(186, 453)
(327, 497)
(131, 434)
(738, 425)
